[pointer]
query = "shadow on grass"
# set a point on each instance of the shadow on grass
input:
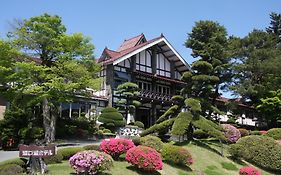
(181, 167)
(238, 161)
(141, 172)
(206, 146)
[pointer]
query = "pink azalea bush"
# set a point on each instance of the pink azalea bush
(145, 158)
(248, 170)
(90, 162)
(116, 147)
(231, 133)
(278, 141)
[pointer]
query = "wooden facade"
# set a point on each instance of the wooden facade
(154, 65)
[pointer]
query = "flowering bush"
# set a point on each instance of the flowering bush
(176, 155)
(263, 132)
(145, 158)
(116, 147)
(90, 162)
(231, 133)
(278, 141)
(247, 170)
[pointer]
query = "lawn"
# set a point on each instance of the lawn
(206, 160)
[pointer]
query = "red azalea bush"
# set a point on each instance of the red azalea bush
(263, 132)
(145, 158)
(248, 170)
(116, 147)
(231, 133)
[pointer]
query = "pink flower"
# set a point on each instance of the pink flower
(248, 170)
(145, 158)
(116, 147)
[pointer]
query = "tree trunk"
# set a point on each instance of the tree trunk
(49, 121)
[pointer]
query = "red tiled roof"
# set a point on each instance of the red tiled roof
(129, 43)
(114, 55)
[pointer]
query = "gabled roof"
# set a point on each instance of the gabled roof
(132, 42)
(140, 44)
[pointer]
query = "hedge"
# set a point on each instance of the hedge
(152, 141)
(11, 169)
(68, 152)
(274, 133)
(262, 151)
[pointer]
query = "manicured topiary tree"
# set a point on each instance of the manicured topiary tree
(128, 92)
(111, 118)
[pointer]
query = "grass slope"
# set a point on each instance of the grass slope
(207, 161)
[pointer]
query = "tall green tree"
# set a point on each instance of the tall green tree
(275, 25)
(270, 106)
(211, 71)
(59, 72)
(128, 98)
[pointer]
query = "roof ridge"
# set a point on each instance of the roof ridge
(134, 37)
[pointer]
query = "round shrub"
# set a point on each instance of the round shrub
(248, 170)
(139, 124)
(11, 169)
(90, 162)
(243, 132)
(136, 140)
(176, 155)
(145, 158)
(92, 147)
(152, 141)
(200, 134)
(275, 133)
(116, 147)
(231, 133)
(111, 118)
(54, 159)
(260, 150)
(18, 161)
(68, 152)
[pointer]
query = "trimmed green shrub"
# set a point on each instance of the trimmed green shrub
(136, 140)
(106, 131)
(200, 134)
(181, 123)
(139, 124)
(260, 150)
(255, 133)
(92, 147)
(68, 152)
(274, 133)
(54, 159)
(111, 118)
(18, 161)
(169, 112)
(152, 141)
(244, 132)
(11, 169)
(176, 155)
(158, 127)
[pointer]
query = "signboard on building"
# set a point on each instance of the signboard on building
(37, 151)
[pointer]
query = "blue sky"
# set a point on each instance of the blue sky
(109, 22)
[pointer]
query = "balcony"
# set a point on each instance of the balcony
(155, 96)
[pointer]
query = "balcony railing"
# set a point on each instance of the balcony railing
(155, 95)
